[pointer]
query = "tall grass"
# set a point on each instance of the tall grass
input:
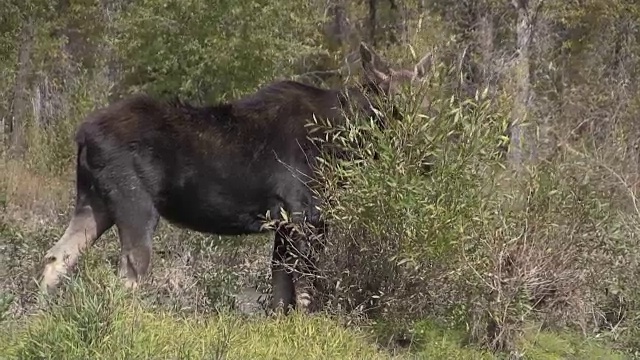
(96, 318)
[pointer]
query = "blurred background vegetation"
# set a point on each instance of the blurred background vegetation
(533, 254)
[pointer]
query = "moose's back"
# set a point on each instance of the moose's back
(216, 168)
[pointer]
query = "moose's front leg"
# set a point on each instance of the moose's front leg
(281, 274)
(294, 270)
(294, 267)
(306, 249)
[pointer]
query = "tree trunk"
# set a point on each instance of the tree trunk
(373, 9)
(337, 29)
(523, 145)
(17, 121)
(485, 35)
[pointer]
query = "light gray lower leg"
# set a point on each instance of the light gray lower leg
(83, 230)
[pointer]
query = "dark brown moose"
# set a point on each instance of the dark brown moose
(215, 169)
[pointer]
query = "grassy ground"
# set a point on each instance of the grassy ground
(94, 317)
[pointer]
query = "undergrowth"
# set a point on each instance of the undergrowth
(95, 318)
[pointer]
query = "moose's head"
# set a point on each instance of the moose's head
(387, 82)
(390, 81)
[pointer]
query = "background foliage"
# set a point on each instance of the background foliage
(444, 236)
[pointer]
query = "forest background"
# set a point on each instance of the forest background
(534, 254)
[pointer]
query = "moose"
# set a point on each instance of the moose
(215, 169)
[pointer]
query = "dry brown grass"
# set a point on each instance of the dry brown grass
(32, 199)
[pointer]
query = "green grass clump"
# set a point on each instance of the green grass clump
(96, 319)
(549, 345)
(430, 339)
(137, 334)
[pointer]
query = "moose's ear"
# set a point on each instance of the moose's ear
(373, 65)
(423, 66)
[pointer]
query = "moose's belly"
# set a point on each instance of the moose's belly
(216, 211)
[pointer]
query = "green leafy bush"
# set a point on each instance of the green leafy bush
(208, 49)
(436, 224)
(399, 218)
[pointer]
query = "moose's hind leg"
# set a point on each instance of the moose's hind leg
(136, 223)
(90, 220)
